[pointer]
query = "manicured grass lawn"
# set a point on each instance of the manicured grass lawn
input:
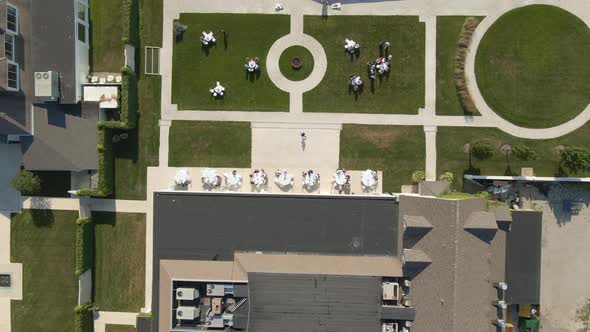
(532, 66)
(119, 274)
(395, 150)
(450, 155)
(448, 29)
(119, 328)
(195, 69)
(285, 63)
(402, 91)
(214, 144)
(106, 26)
(54, 183)
(140, 150)
(43, 241)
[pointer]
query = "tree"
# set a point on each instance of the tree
(523, 152)
(482, 149)
(583, 315)
(575, 159)
(418, 176)
(447, 176)
(27, 183)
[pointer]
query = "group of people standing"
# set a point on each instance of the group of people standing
(381, 66)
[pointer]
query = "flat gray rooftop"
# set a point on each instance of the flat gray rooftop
(212, 226)
(294, 303)
(208, 226)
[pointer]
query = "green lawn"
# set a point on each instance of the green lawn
(285, 63)
(43, 241)
(532, 66)
(140, 150)
(400, 92)
(212, 144)
(119, 275)
(395, 150)
(119, 328)
(448, 29)
(106, 26)
(195, 69)
(54, 183)
(450, 155)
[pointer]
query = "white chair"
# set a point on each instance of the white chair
(337, 6)
(279, 7)
(118, 79)
(94, 79)
(102, 80)
(110, 78)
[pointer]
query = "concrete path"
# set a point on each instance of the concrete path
(96, 204)
(15, 292)
(430, 137)
(10, 161)
(103, 318)
(164, 142)
(279, 146)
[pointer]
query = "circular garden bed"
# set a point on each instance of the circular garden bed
(296, 63)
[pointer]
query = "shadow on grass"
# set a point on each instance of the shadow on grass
(42, 218)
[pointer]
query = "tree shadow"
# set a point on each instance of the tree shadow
(42, 217)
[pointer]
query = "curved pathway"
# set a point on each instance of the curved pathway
(480, 103)
(296, 88)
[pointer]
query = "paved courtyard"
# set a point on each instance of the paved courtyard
(565, 255)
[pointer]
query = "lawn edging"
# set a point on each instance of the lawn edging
(84, 245)
(463, 44)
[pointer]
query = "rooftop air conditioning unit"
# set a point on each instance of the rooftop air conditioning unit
(187, 313)
(389, 327)
(215, 290)
(187, 294)
(47, 86)
(390, 291)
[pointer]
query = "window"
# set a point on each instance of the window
(152, 60)
(13, 74)
(82, 11)
(9, 46)
(82, 32)
(12, 19)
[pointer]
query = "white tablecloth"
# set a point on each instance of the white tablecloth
(233, 179)
(310, 180)
(210, 177)
(368, 178)
(340, 178)
(284, 179)
(181, 177)
(259, 179)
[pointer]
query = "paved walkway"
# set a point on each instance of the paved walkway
(96, 204)
(103, 318)
(279, 146)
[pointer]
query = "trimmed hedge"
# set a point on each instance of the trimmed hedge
(84, 245)
(84, 320)
(129, 98)
(106, 167)
(130, 22)
(460, 79)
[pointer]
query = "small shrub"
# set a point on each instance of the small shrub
(482, 149)
(447, 176)
(418, 176)
(27, 183)
(575, 159)
(523, 152)
(483, 194)
(83, 320)
(84, 245)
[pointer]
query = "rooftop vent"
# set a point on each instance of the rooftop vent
(187, 313)
(389, 327)
(187, 294)
(47, 86)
